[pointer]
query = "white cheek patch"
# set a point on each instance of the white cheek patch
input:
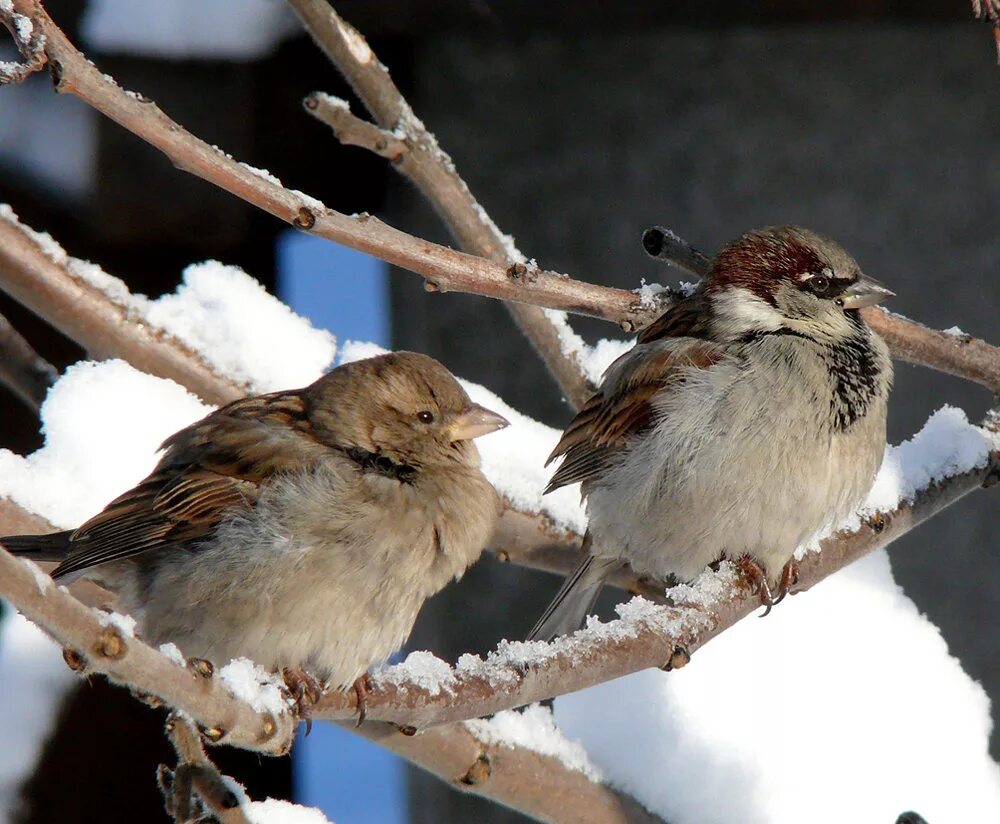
(741, 309)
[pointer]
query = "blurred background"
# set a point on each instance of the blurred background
(577, 126)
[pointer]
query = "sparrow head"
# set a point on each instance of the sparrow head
(403, 406)
(789, 277)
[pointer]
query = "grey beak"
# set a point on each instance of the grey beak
(866, 292)
(474, 422)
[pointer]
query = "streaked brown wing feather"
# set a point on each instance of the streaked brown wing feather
(209, 470)
(623, 409)
(688, 318)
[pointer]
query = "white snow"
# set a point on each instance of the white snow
(422, 670)
(842, 705)
(254, 685)
(172, 651)
(34, 679)
(103, 423)
(955, 332)
(534, 729)
(261, 173)
(248, 334)
(125, 624)
(274, 810)
(947, 444)
(186, 29)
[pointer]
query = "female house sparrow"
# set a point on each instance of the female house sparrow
(301, 529)
(746, 417)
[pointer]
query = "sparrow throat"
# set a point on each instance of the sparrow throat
(382, 465)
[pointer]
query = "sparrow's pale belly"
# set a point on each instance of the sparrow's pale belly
(730, 471)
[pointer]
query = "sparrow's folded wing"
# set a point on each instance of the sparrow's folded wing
(210, 470)
(624, 407)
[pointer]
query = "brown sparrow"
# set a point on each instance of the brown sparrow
(301, 529)
(747, 417)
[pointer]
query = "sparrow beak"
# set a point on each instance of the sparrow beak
(476, 421)
(865, 292)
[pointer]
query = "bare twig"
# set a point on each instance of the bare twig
(433, 173)
(444, 269)
(22, 370)
(351, 130)
(29, 40)
(989, 10)
(196, 776)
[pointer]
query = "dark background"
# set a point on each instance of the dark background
(576, 125)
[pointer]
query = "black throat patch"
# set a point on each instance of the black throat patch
(380, 464)
(855, 371)
(852, 365)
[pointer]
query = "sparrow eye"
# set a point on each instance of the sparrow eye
(425, 417)
(819, 284)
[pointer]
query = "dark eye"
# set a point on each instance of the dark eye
(819, 284)
(425, 417)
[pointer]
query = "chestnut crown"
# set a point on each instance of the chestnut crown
(787, 276)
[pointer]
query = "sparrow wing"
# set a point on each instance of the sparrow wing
(210, 469)
(623, 408)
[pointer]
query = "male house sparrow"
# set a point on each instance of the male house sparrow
(301, 529)
(747, 416)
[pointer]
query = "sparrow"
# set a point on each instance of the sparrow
(748, 416)
(300, 529)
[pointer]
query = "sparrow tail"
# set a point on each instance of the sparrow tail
(575, 600)
(38, 547)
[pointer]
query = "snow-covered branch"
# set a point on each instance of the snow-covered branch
(432, 171)
(97, 310)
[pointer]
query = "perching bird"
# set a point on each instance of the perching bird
(748, 416)
(301, 529)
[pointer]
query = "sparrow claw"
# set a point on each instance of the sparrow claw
(789, 578)
(305, 690)
(755, 577)
(362, 686)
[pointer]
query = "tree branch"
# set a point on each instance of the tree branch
(22, 370)
(433, 173)
(513, 776)
(73, 296)
(444, 269)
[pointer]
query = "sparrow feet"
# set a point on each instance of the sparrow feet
(756, 579)
(789, 578)
(305, 690)
(362, 686)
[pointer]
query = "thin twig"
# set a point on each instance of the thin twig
(196, 776)
(433, 173)
(351, 130)
(22, 370)
(444, 269)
